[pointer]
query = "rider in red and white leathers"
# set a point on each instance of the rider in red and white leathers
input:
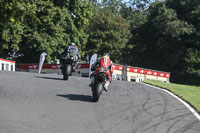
(103, 63)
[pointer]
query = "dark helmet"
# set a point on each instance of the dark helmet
(106, 54)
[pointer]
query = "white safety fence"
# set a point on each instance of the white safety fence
(7, 65)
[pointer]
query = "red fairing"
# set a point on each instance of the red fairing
(105, 62)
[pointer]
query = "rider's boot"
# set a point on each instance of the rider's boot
(74, 67)
(106, 85)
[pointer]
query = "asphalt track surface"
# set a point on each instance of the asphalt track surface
(44, 103)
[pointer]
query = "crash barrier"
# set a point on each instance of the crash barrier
(7, 65)
(121, 72)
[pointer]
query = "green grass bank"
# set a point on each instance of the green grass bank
(191, 94)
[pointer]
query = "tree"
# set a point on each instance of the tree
(108, 33)
(189, 12)
(31, 27)
(12, 14)
(167, 41)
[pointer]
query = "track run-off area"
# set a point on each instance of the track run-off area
(44, 103)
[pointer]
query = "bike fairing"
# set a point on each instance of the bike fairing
(103, 64)
(71, 50)
(69, 61)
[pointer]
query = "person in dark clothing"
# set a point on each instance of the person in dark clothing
(68, 50)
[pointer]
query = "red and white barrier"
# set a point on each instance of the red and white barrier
(115, 67)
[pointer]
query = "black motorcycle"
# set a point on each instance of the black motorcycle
(68, 63)
(98, 86)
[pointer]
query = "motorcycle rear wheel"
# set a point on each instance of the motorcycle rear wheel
(96, 91)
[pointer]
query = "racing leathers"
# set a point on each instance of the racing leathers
(103, 63)
(67, 51)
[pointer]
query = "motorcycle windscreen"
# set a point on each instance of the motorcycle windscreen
(105, 62)
(72, 51)
(92, 61)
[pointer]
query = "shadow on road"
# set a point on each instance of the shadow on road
(49, 78)
(76, 97)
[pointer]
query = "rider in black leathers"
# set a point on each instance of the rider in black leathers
(65, 53)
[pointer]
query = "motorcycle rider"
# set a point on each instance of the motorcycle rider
(68, 50)
(105, 63)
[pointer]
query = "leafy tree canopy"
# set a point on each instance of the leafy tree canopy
(108, 33)
(31, 27)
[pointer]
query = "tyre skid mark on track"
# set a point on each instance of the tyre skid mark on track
(177, 118)
(146, 101)
(120, 114)
(186, 127)
(142, 126)
(161, 115)
(164, 111)
(172, 125)
(196, 114)
(117, 124)
(146, 110)
(134, 115)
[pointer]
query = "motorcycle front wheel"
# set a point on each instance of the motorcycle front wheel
(67, 72)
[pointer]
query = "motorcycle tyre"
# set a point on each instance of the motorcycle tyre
(67, 72)
(96, 92)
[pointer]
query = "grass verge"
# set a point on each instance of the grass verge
(190, 94)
